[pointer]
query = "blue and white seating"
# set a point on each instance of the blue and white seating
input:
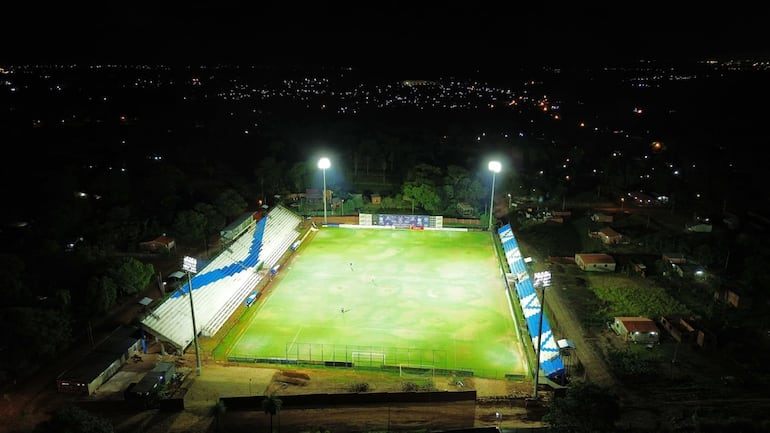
(221, 286)
(550, 359)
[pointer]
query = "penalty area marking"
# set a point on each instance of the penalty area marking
(294, 340)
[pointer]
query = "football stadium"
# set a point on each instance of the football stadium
(392, 292)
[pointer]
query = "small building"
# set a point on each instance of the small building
(674, 258)
(690, 270)
(314, 195)
(167, 371)
(84, 379)
(698, 228)
(99, 365)
(639, 268)
(680, 328)
(609, 236)
(236, 228)
(162, 374)
(705, 337)
(595, 262)
(601, 218)
(465, 210)
(732, 298)
(160, 244)
(636, 329)
(123, 342)
(145, 387)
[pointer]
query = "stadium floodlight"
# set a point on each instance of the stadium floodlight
(190, 265)
(494, 167)
(323, 164)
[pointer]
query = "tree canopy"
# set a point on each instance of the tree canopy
(72, 419)
(586, 407)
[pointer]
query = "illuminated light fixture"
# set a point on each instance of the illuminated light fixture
(494, 167)
(323, 164)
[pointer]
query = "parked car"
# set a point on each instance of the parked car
(174, 281)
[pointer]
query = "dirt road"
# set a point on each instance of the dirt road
(587, 350)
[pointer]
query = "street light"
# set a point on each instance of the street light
(494, 167)
(542, 279)
(342, 213)
(509, 202)
(189, 264)
(323, 164)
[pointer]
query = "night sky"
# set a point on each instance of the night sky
(395, 35)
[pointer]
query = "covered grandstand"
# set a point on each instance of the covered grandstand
(550, 360)
(225, 283)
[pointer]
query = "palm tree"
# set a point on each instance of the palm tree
(272, 405)
(219, 410)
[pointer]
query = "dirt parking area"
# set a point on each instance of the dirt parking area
(495, 405)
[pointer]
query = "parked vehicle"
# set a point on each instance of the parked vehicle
(174, 281)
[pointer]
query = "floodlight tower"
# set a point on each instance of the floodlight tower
(494, 167)
(323, 164)
(189, 264)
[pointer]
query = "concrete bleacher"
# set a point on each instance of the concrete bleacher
(223, 285)
(539, 328)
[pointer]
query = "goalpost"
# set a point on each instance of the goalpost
(414, 373)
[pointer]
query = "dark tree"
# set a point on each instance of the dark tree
(271, 405)
(12, 289)
(190, 226)
(72, 419)
(230, 203)
(586, 407)
(38, 334)
(132, 276)
(218, 411)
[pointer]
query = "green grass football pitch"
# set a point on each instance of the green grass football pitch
(399, 298)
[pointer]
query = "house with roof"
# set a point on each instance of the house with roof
(464, 209)
(159, 244)
(595, 262)
(602, 218)
(609, 236)
(101, 364)
(640, 330)
(733, 298)
(673, 258)
(680, 328)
